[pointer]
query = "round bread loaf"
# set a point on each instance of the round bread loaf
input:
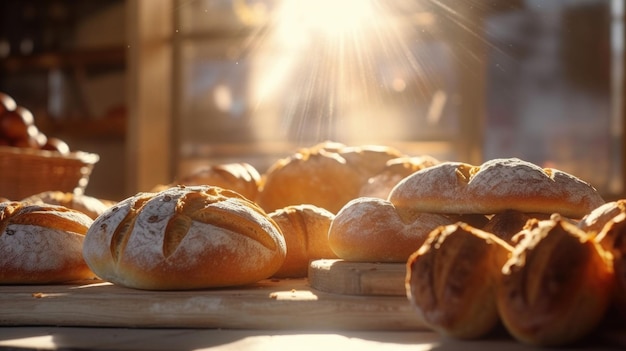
(240, 177)
(89, 205)
(556, 286)
(305, 228)
(326, 175)
(371, 230)
(452, 280)
(184, 238)
(41, 244)
(495, 186)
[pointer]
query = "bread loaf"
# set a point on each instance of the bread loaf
(305, 228)
(89, 205)
(41, 244)
(327, 175)
(495, 186)
(371, 230)
(556, 287)
(184, 238)
(452, 280)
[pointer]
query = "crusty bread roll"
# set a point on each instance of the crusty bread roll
(452, 280)
(326, 175)
(305, 228)
(240, 177)
(495, 186)
(556, 287)
(41, 244)
(89, 205)
(371, 230)
(184, 238)
(393, 172)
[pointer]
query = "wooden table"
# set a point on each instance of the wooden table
(272, 314)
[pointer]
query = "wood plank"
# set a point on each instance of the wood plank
(358, 278)
(269, 304)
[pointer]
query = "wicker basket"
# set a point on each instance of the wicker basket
(24, 172)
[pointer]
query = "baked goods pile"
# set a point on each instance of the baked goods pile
(503, 243)
(535, 266)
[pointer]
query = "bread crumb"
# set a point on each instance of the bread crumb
(38, 295)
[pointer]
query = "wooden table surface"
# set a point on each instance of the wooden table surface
(269, 315)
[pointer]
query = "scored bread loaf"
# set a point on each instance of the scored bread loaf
(556, 286)
(184, 238)
(305, 228)
(495, 186)
(41, 244)
(452, 280)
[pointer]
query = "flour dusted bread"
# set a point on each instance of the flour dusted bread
(41, 244)
(89, 205)
(184, 238)
(556, 286)
(327, 175)
(495, 186)
(305, 228)
(372, 230)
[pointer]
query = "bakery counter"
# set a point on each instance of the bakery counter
(271, 314)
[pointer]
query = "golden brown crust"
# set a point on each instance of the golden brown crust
(371, 230)
(327, 175)
(556, 287)
(452, 279)
(89, 205)
(305, 228)
(495, 186)
(41, 244)
(184, 238)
